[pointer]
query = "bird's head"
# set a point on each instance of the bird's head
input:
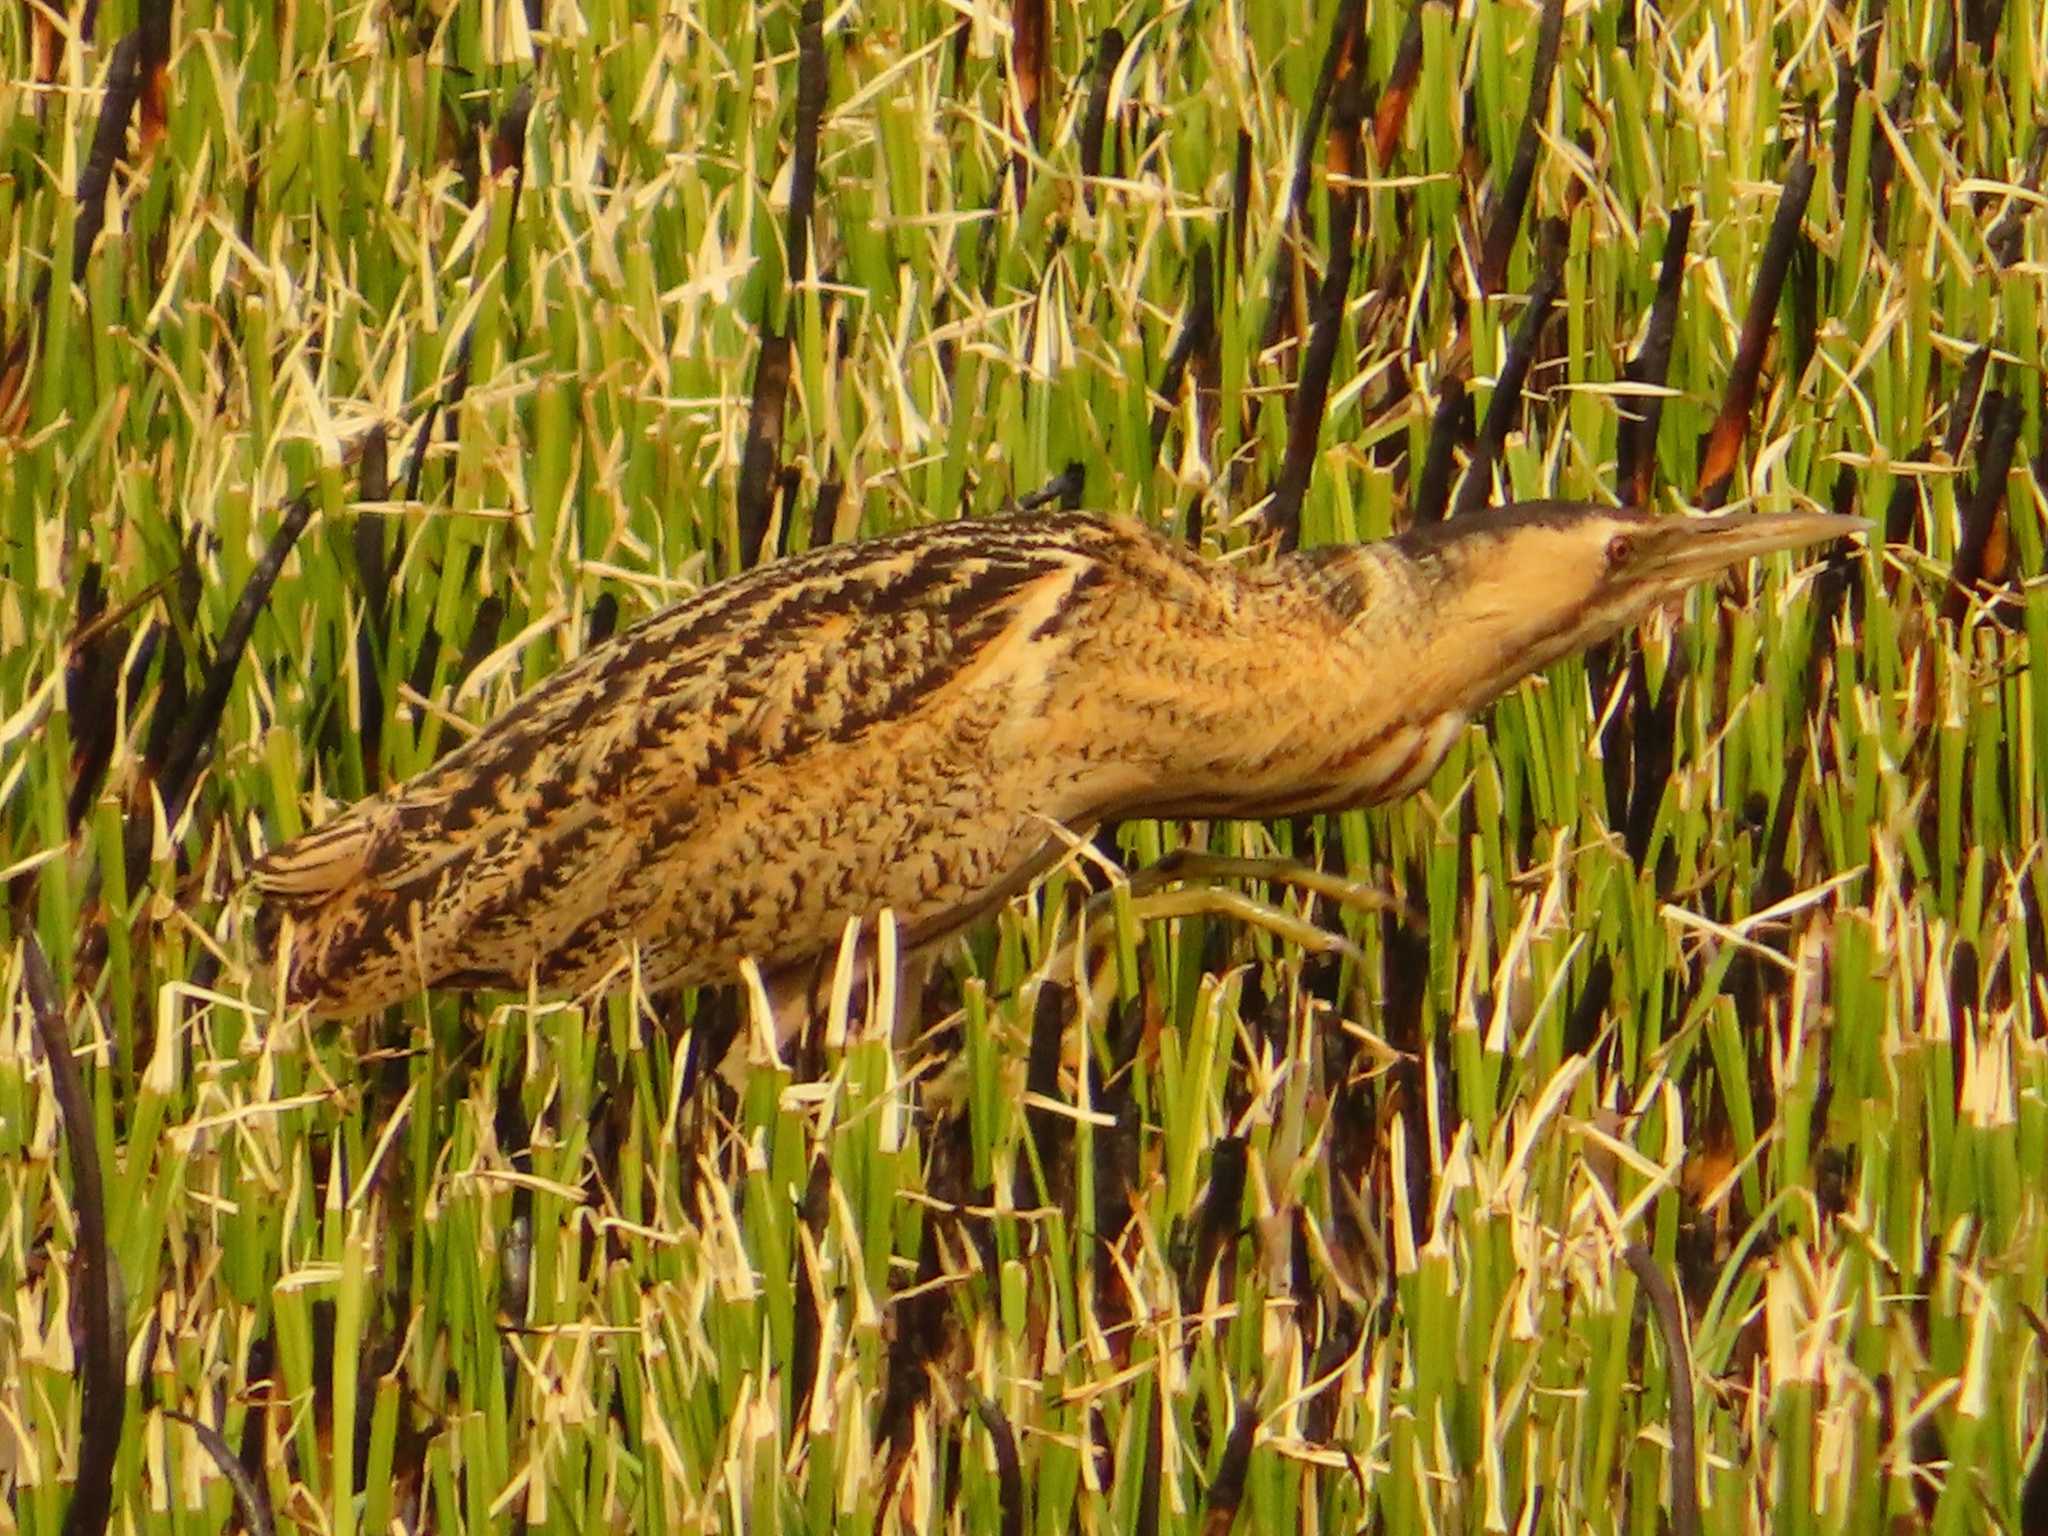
(1510, 590)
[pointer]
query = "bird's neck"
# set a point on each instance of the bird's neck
(1305, 687)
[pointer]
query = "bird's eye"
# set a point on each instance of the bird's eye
(1620, 550)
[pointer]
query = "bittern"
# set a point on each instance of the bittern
(921, 722)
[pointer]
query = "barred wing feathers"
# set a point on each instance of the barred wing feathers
(625, 798)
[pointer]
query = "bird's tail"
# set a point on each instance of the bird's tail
(319, 883)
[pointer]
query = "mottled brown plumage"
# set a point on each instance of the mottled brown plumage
(911, 722)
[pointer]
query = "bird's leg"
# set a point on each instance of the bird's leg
(1192, 864)
(713, 1031)
(1143, 898)
(840, 990)
(774, 1007)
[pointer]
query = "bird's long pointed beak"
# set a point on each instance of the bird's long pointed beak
(1688, 549)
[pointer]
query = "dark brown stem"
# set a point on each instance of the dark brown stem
(1513, 202)
(1650, 367)
(103, 1397)
(1721, 449)
(1685, 1465)
(755, 495)
(1505, 406)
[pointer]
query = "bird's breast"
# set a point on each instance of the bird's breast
(1403, 761)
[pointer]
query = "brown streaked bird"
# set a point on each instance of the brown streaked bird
(910, 721)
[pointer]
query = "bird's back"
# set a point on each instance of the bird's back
(734, 776)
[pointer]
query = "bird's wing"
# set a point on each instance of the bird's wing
(534, 819)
